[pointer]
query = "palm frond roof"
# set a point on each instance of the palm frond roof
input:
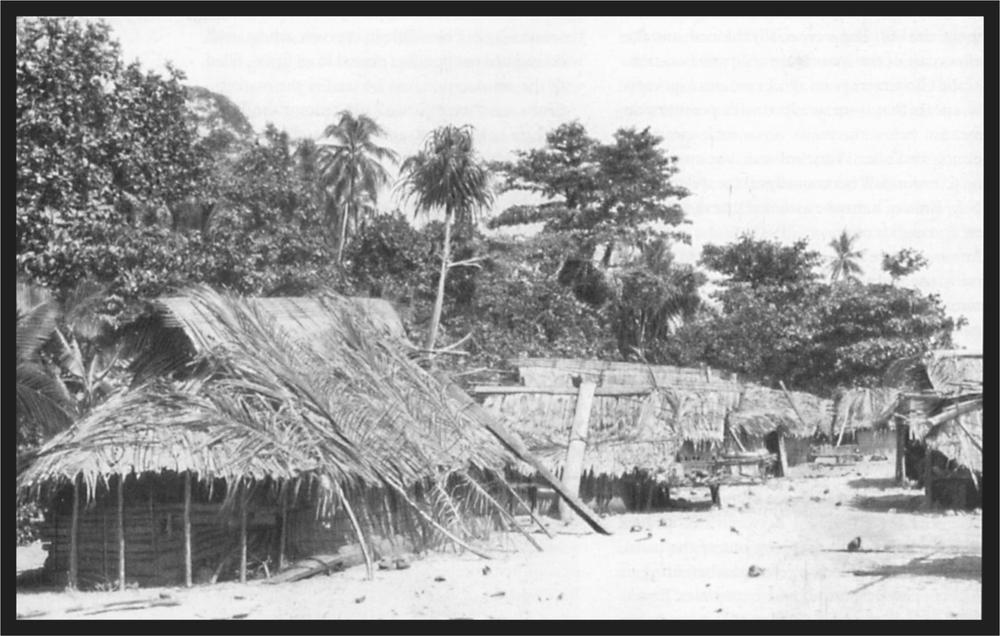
(298, 386)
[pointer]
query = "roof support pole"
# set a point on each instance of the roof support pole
(901, 435)
(928, 476)
(577, 444)
(513, 443)
(187, 528)
(283, 538)
(74, 549)
(121, 533)
(243, 533)
(782, 454)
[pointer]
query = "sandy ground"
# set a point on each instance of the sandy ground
(681, 564)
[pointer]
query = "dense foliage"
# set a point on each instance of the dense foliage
(130, 179)
(776, 320)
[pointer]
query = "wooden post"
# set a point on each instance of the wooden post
(243, 535)
(187, 528)
(577, 444)
(74, 555)
(121, 533)
(782, 454)
(283, 538)
(901, 434)
(928, 476)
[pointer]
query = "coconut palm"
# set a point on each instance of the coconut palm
(351, 167)
(43, 403)
(845, 261)
(447, 175)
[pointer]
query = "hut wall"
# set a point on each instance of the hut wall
(154, 541)
(876, 442)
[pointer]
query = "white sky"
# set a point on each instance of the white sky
(813, 124)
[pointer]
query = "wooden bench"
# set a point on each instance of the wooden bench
(840, 455)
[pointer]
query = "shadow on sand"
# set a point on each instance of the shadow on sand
(881, 483)
(885, 503)
(966, 567)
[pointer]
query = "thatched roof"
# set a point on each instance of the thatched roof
(762, 410)
(945, 372)
(862, 409)
(642, 414)
(562, 371)
(291, 394)
(301, 318)
(955, 429)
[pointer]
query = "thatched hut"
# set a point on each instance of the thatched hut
(939, 416)
(669, 424)
(286, 427)
(863, 417)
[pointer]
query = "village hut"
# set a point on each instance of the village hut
(603, 422)
(779, 421)
(294, 427)
(863, 417)
(939, 418)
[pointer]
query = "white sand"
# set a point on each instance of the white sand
(922, 565)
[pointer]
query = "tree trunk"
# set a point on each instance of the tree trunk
(343, 222)
(439, 300)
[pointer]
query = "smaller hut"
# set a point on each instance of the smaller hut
(863, 417)
(939, 418)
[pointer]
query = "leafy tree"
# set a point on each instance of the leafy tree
(776, 321)
(844, 266)
(91, 131)
(352, 168)
(520, 308)
(760, 263)
(602, 194)
(903, 263)
(447, 174)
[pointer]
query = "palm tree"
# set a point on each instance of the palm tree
(351, 167)
(43, 403)
(447, 174)
(845, 261)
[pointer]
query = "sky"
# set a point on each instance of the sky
(785, 127)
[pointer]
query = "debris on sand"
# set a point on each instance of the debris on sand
(360, 599)
(838, 503)
(438, 579)
(649, 535)
(635, 529)
(663, 523)
(854, 545)
(755, 571)
(486, 570)
(497, 594)
(733, 530)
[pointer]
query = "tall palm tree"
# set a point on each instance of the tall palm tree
(845, 261)
(448, 175)
(351, 166)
